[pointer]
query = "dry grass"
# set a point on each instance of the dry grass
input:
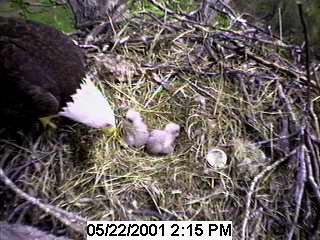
(99, 177)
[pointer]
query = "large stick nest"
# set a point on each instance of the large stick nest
(230, 85)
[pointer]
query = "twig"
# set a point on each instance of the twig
(300, 188)
(252, 190)
(71, 220)
(288, 106)
(291, 72)
(315, 118)
(314, 155)
(280, 23)
(161, 7)
(306, 39)
(314, 186)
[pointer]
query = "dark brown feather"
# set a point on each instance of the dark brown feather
(40, 68)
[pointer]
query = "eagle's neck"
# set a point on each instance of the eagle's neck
(89, 106)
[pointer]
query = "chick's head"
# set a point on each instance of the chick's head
(133, 116)
(173, 129)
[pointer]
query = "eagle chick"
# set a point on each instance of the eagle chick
(136, 131)
(162, 142)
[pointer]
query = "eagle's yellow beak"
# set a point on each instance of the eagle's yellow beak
(47, 122)
(109, 131)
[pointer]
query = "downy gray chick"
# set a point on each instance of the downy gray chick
(162, 142)
(136, 131)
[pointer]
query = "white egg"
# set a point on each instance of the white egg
(216, 158)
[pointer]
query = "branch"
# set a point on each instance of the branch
(306, 39)
(75, 222)
(252, 190)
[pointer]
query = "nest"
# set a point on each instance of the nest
(229, 85)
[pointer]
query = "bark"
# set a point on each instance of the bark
(89, 11)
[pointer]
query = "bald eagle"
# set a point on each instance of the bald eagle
(42, 73)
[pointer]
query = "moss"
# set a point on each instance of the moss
(183, 6)
(176, 5)
(46, 11)
(223, 21)
(139, 6)
(59, 17)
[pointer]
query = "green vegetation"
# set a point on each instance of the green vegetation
(180, 6)
(143, 6)
(46, 11)
(59, 17)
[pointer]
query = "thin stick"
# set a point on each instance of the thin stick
(252, 189)
(74, 221)
(302, 174)
(306, 39)
(280, 24)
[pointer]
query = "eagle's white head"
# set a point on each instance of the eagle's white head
(90, 107)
